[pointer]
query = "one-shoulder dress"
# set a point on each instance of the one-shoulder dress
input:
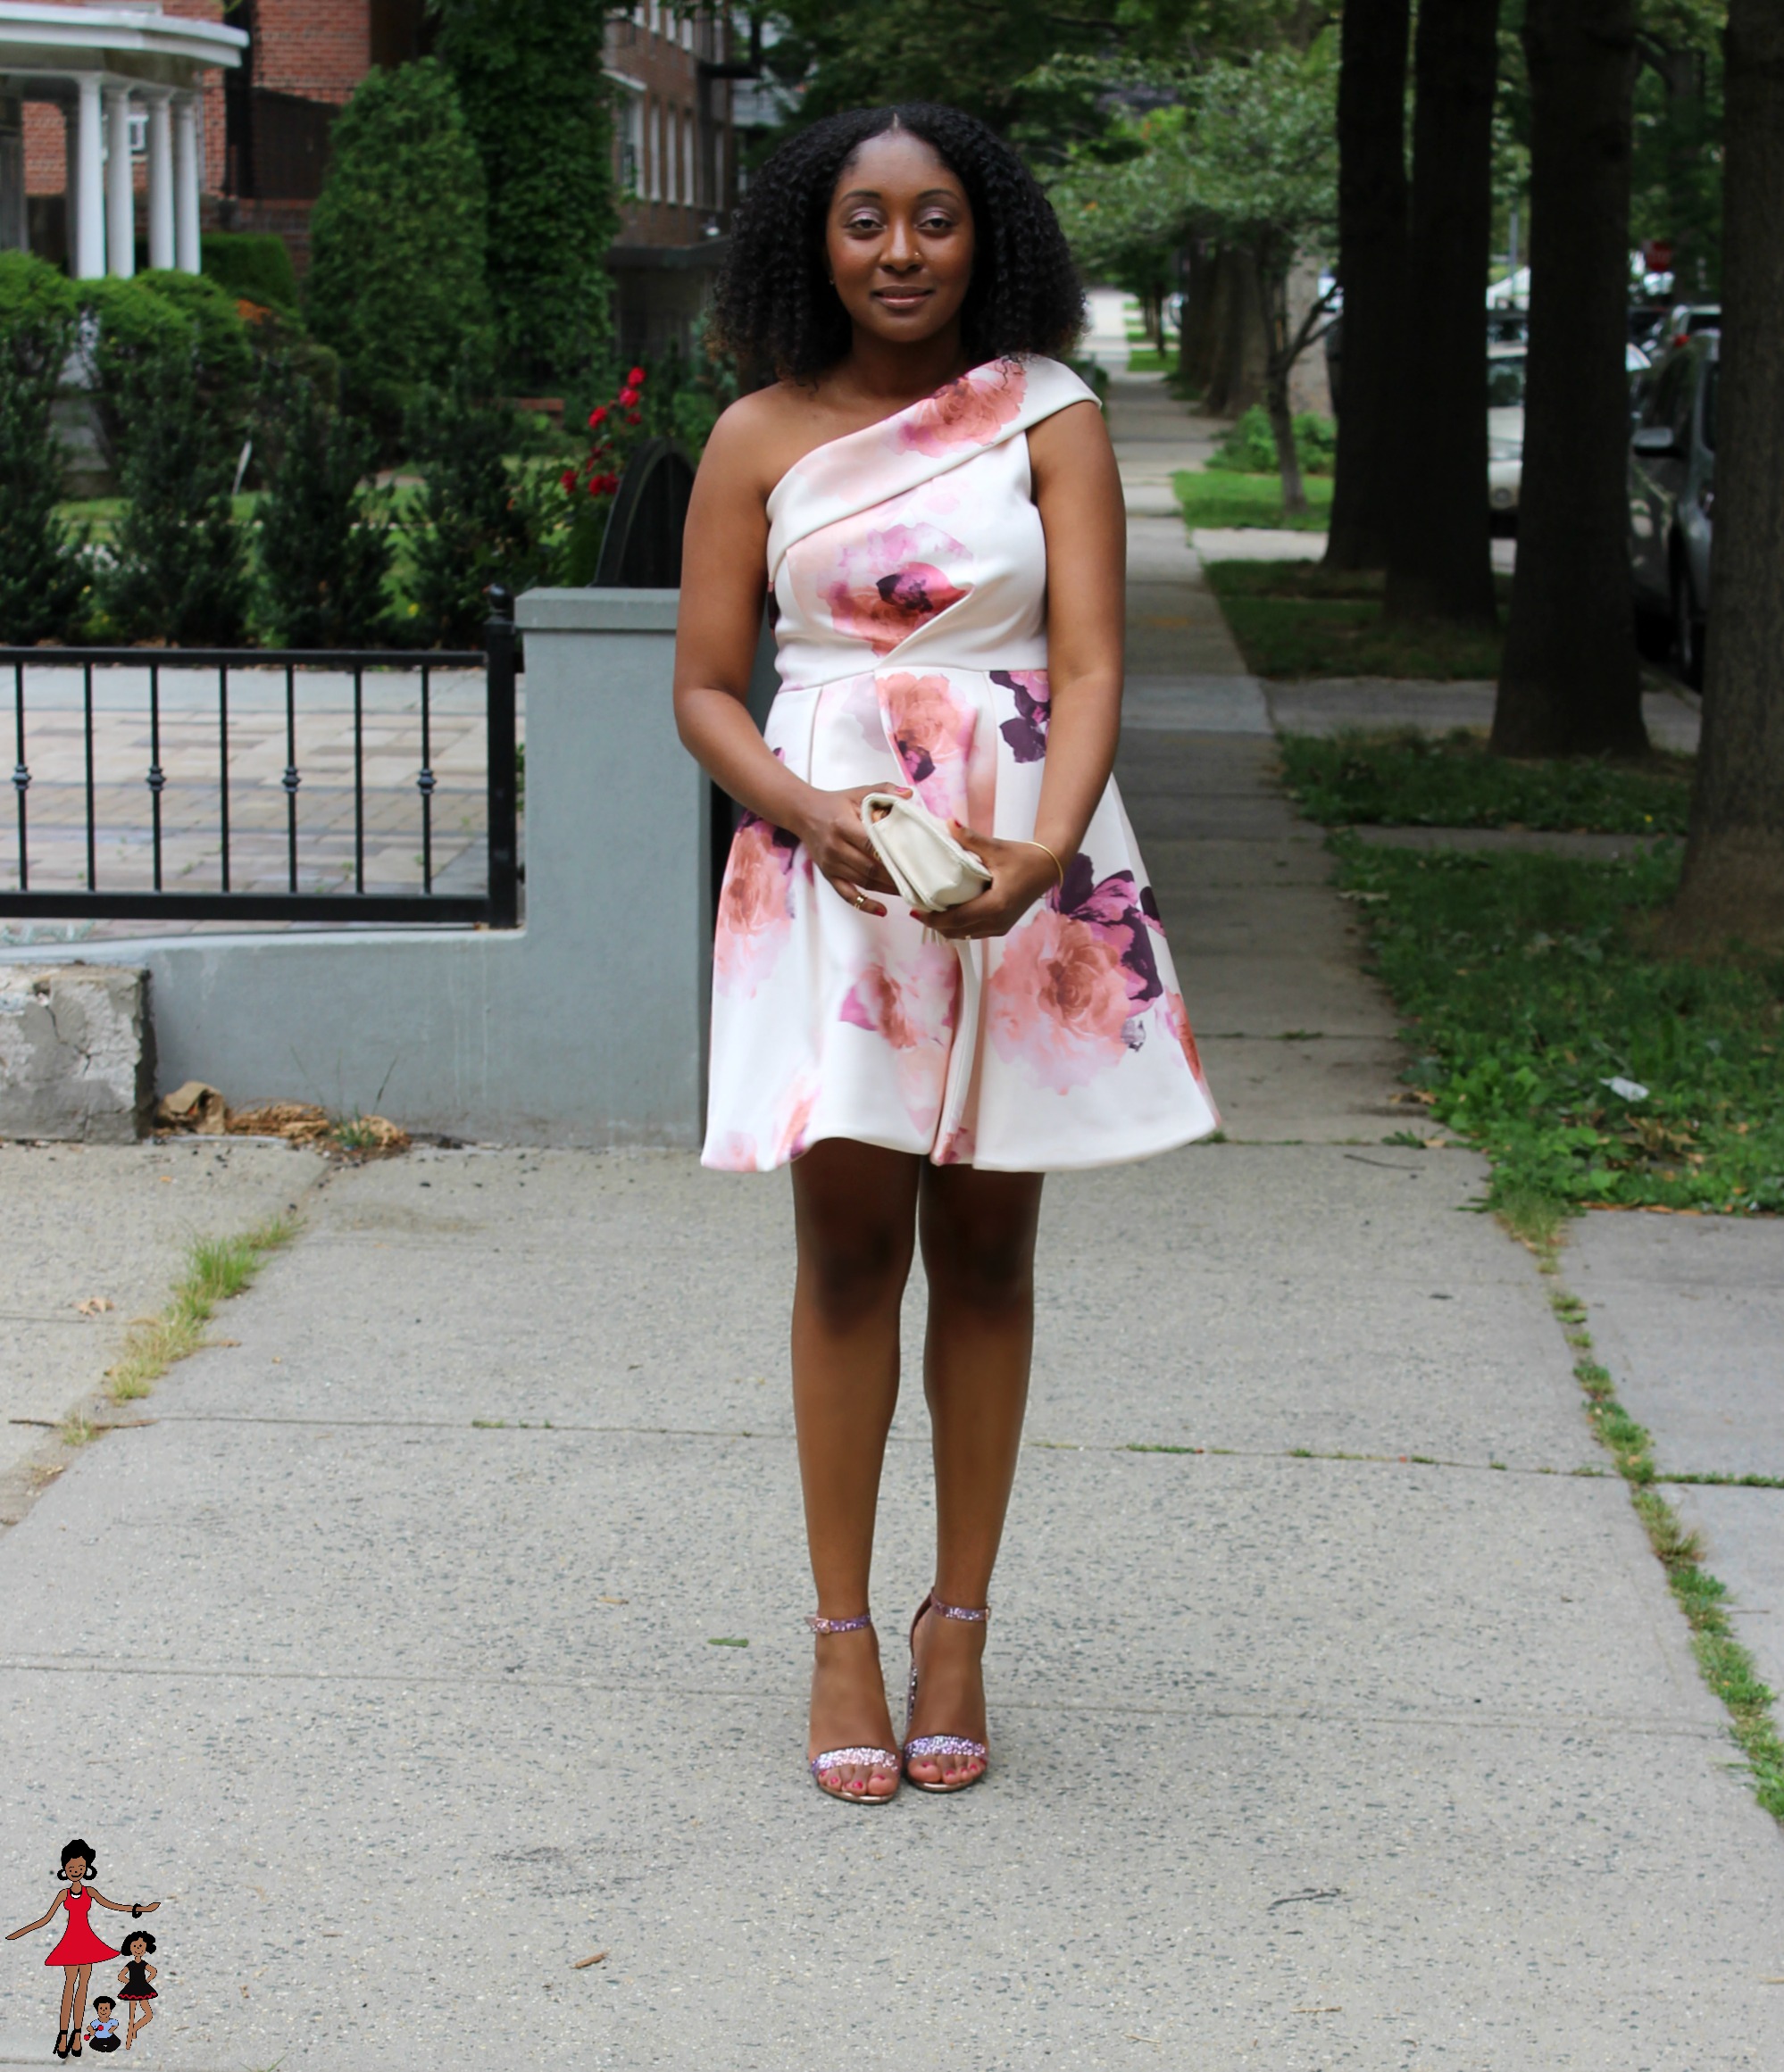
(909, 571)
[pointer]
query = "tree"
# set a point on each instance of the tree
(43, 568)
(1440, 564)
(1372, 242)
(1571, 683)
(1678, 169)
(396, 282)
(325, 544)
(530, 82)
(1733, 883)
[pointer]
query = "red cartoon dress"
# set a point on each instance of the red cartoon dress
(80, 1944)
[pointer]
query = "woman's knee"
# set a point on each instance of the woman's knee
(982, 1265)
(847, 1267)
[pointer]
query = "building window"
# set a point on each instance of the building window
(629, 138)
(689, 194)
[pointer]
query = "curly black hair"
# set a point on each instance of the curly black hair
(70, 1849)
(778, 312)
(140, 1936)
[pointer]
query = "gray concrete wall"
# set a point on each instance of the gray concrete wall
(589, 1027)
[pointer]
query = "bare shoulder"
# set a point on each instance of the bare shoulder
(1075, 436)
(756, 440)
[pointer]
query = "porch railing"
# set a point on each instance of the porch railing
(229, 747)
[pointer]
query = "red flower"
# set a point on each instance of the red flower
(632, 417)
(635, 379)
(598, 415)
(567, 480)
(626, 398)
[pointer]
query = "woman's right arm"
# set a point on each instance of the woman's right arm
(30, 1925)
(724, 558)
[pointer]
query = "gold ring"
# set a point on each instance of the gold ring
(861, 900)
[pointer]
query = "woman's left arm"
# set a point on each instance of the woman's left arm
(1078, 492)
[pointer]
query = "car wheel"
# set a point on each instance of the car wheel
(1687, 628)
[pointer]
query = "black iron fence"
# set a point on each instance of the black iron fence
(177, 784)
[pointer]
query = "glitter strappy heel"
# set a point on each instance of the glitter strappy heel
(928, 1745)
(833, 1758)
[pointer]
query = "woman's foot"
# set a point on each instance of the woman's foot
(849, 1711)
(948, 1654)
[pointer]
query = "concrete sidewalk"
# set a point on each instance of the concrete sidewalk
(1340, 1716)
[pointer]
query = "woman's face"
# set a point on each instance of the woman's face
(75, 1870)
(898, 239)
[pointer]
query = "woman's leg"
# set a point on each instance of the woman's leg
(855, 1215)
(978, 1253)
(78, 2015)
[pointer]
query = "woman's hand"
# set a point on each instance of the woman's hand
(836, 843)
(1020, 874)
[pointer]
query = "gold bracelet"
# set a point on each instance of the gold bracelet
(1028, 843)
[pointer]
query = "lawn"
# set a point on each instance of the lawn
(1402, 778)
(1528, 989)
(1296, 618)
(1216, 502)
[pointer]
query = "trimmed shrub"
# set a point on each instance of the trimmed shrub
(476, 521)
(530, 81)
(139, 323)
(324, 532)
(179, 566)
(253, 265)
(1249, 448)
(397, 281)
(43, 566)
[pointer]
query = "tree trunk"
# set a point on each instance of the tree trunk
(1372, 196)
(1283, 358)
(1570, 684)
(1196, 336)
(1734, 861)
(1236, 378)
(1440, 560)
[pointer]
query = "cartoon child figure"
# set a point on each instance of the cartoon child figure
(133, 1980)
(80, 1949)
(102, 2031)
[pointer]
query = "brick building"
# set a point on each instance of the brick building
(263, 136)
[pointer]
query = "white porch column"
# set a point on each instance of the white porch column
(87, 230)
(160, 179)
(121, 225)
(186, 183)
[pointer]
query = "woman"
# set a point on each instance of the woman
(78, 1949)
(932, 500)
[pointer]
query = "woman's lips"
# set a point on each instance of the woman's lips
(902, 298)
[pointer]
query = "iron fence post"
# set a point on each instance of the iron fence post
(498, 647)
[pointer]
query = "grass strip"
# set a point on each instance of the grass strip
(1528, 986)
(1218, 502)
(1401, 777)
(217, 1268)
(1297, 619)
(1726, 1666)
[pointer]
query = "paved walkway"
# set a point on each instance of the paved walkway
(1340, 1715)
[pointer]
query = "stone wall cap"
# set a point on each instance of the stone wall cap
(594, 611)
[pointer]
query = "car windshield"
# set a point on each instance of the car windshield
(1505, 381)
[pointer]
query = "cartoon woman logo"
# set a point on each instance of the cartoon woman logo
(80, 1949)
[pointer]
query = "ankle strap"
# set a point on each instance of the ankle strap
(819, 1625)
(978, 1615)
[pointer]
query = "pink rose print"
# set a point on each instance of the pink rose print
(734, 1153)
(890, 583)
(1059, 1001)
(756, 906)
(796, 1115)
(915, 1014)
(1075, 982)
(957, 1148)
(931, 732)
(1177, 1018)
(968, 412)
(1026, 732)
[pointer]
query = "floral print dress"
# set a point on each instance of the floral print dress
(909, 571)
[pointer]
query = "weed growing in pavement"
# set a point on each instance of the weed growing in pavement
(1726, 1666)
(1590, 1070)
(216, 1268)
(1400, 778)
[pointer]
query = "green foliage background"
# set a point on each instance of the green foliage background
(43, 573)
(396, 282)
(530, 82)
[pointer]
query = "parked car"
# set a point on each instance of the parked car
(1672, 500)
(1506, 422)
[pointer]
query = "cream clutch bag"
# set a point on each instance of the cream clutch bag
(929, 868)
